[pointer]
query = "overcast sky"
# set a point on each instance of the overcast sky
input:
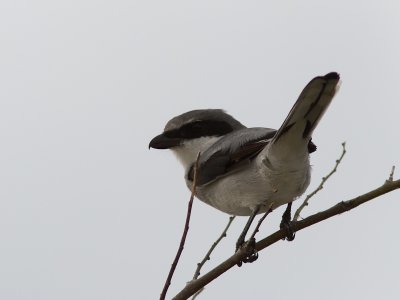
(88, 212)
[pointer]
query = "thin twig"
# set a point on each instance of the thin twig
(185, 231)
(260, 222)
(341, 207)
(321, 185)
(208, 254)
(390, 179)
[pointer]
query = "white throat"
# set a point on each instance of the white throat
(187, 152)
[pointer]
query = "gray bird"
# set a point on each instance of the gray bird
(245, 171)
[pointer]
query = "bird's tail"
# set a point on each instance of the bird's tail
(305, 114)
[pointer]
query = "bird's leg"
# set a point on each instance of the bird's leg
(246, 228)
(252, 254)
(286, 223)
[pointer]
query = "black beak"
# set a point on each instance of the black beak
(163, 142)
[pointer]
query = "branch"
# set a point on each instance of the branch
(339, 208)
(185, 231)
(391, 175)
(208, 254)
(321, 185)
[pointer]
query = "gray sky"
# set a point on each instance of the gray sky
(88, 212)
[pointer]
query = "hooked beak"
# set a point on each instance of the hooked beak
(163, 142)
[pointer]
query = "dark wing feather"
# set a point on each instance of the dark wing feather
(230, 153)
(249, 150)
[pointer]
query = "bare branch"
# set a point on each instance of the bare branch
(339, 208)
(321, 185)
(208, 254)
(185, 231)
(390, 179)
(198, 293)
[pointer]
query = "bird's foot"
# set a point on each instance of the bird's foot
(251, 252)
(286, 223)
(290, 234)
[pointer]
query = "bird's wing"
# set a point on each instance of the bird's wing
(230, 153)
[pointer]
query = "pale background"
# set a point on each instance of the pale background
(88, 212)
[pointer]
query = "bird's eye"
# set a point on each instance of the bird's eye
(192, 130)
(205, 128)
(198, 129)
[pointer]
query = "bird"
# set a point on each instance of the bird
(247, 171)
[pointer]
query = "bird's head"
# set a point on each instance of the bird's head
(193, 132)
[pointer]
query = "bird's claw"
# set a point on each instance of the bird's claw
(251, 252)
(289, 232)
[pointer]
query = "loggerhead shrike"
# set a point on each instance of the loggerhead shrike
(245, 171)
